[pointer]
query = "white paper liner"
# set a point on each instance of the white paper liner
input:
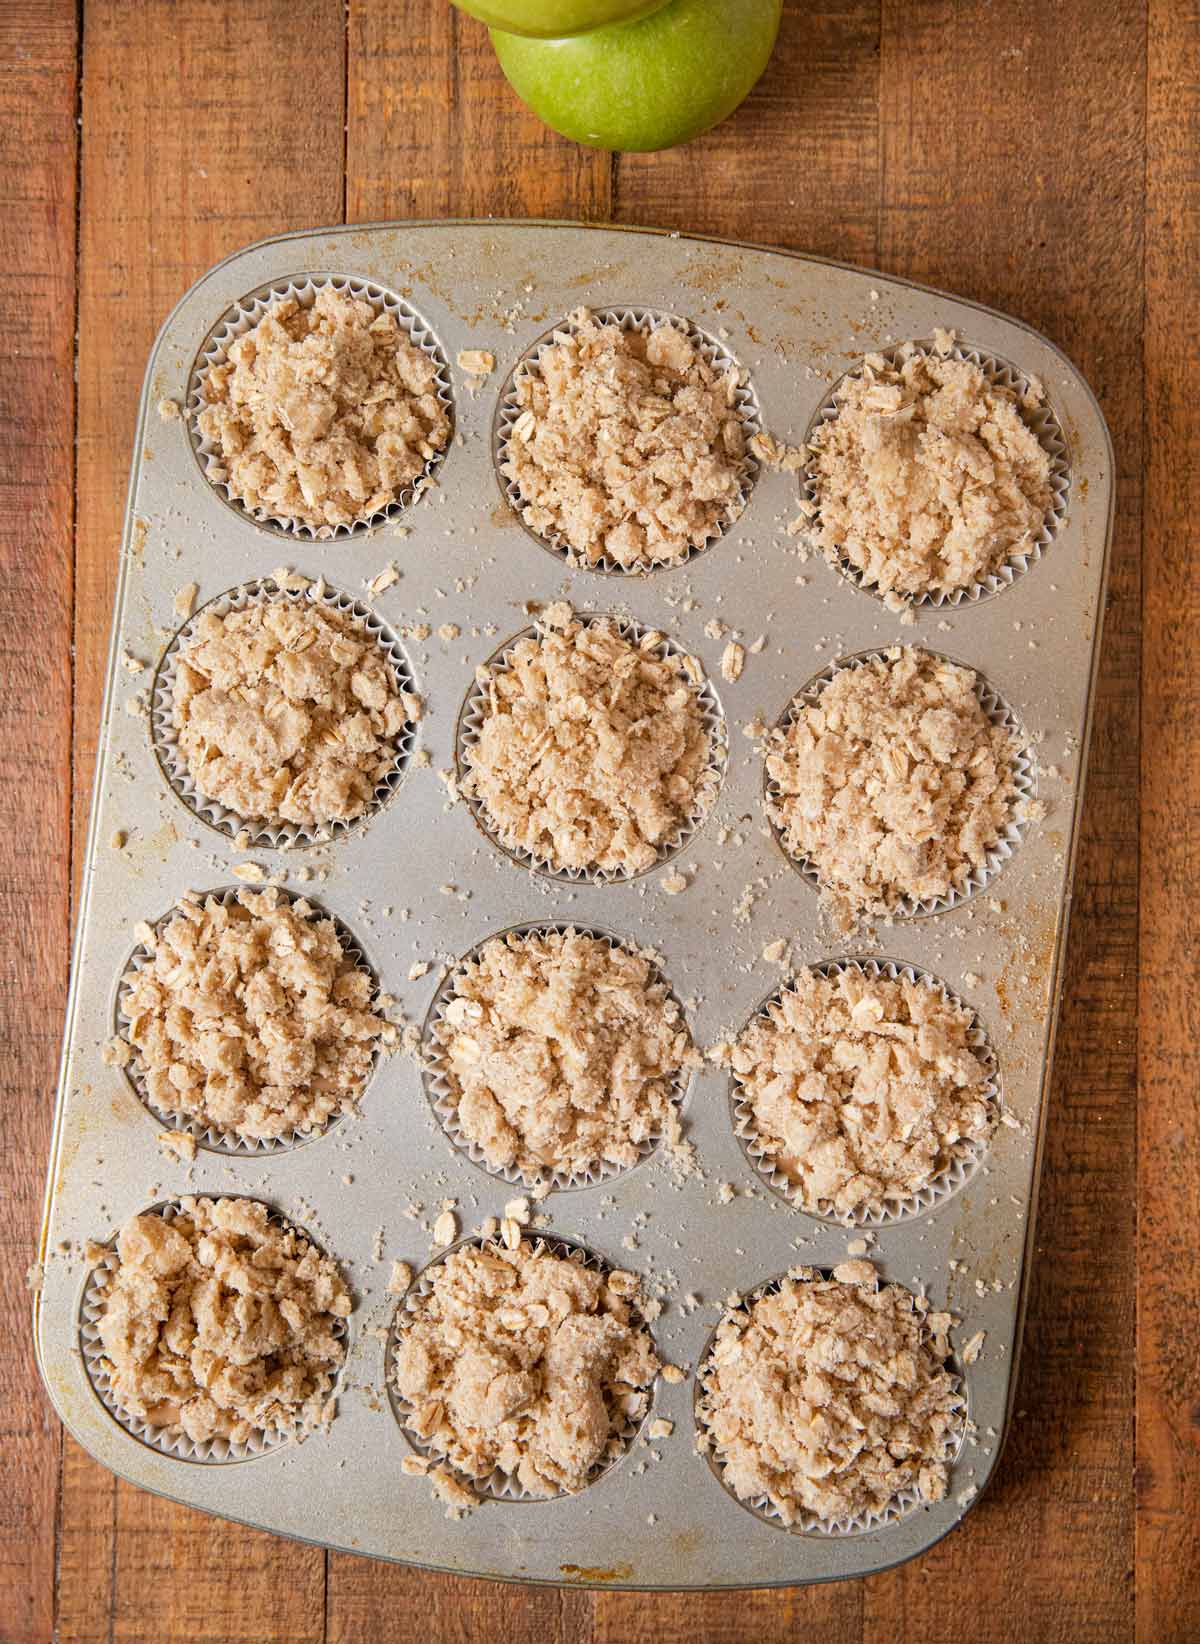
(745, 402)
(440, 1093)
(243, 316)
(498, 1485)
(808, 1524)
(1024, 782)
(473, 711)
(170, 1441)
(966, 1156)
(210, 1137)
(1041, 420)
(257, 833)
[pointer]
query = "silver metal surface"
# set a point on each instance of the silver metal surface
(796, 324)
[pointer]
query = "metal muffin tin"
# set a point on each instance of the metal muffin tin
(658, 1518)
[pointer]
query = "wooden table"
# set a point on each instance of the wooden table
(1033, 155)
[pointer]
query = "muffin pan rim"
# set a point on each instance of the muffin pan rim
(631, 1553)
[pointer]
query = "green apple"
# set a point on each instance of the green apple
(646, 84)
(554, 17)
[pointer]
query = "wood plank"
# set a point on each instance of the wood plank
(194, 143)
(389, 1604)
(798, 164)
(767, 1616)
(1168, 1387)
(38, 157)
(989, 189)
(433, 129)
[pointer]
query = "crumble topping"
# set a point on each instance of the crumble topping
(562, 1051)
(863, 1089)
(221, 1323)
(250, 1016)
(592, 752)
(629, 443)
(286, 712)
(929, 477)
(830, 1397)
(322, 414)
(894, 783)
(524, 1361)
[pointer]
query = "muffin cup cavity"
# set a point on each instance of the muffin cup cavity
(209, 1137)
(498, 1485)
(258, 833)
(967, 1156)
(474, 711)
(439, 1090)
(1041, 420)
(242, 317)
(899, 1507)
(629, 318)
(172, 1441)
(998, 713)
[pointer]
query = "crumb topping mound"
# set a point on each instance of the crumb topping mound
(628, 443)
(863, 1089)
(286, 712)
(250, 1016)
(221, 1324)
(562, 1051)
(929, 477)
(592, 752)
(322, 414)
(524, 1361)
(894, 783)
(831, 1398)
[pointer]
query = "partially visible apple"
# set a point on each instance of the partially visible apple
(646, 84)
(545, 18)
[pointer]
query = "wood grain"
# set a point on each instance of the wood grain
(38, 149)
(1168, 1385)
(433, 130)
(961, 93)
(194, 142)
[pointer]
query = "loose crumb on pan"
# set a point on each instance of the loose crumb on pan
(893, 784)
(322, 414)
(250, 1016)
(592, 752)
(929, 477)
(831, 1398)
(221, 1323)
(863, 1089)
(526, 1362)
(562, 1052)
(629, 444)
(286, 711)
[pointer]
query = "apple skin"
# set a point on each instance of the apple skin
(545, 19)
(647, 84)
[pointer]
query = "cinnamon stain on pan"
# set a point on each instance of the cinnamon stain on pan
(596, 1572)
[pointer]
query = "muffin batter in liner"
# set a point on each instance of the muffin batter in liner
(209, 1137)
(260, 833)
(1041, 420)
(440, 1092)
(498, 1485)
(508, 409)
(242, 317)
(176, 1445)
(998, 713)
(474, 711)
(808, 1524)
(967, 1156)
